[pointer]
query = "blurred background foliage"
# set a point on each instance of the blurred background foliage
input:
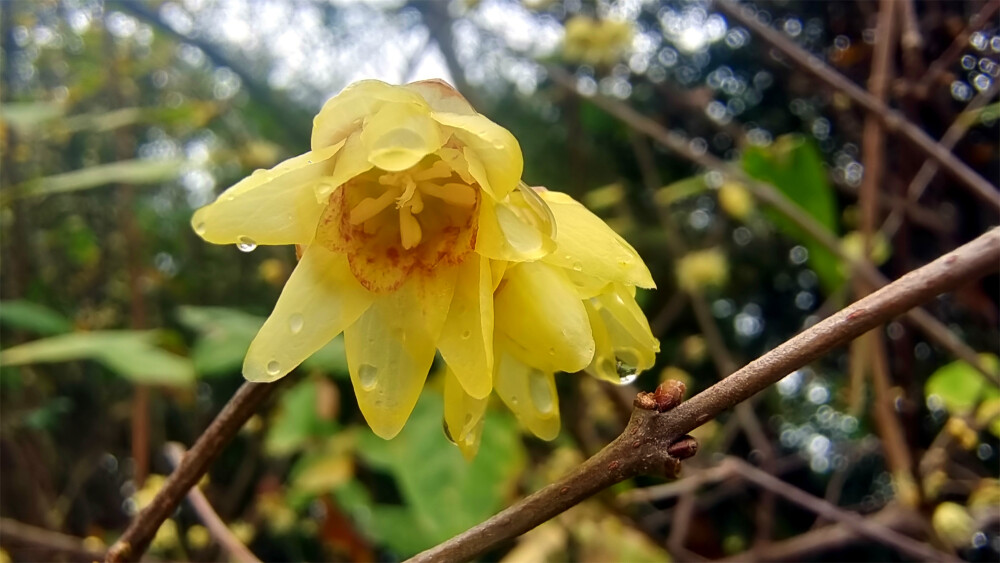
(122, 330)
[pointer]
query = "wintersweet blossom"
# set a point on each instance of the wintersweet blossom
(404, 211)
(596, 42)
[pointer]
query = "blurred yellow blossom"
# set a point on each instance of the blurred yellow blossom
(198, 536)
(166, 537)
(953, 523)
(735, 200)
(853, 246)
(702, 268)
(596, 42)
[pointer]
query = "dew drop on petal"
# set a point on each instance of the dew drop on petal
(245, 244)
(295, 323)
(273, 367)
(466, 335)
(367, 376)
(541, 395)
(447, 433)
(627, 372)
(200, 228)
(578, 266)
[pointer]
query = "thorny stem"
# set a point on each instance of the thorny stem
(190, 470)
(641, 448)
(891, 119)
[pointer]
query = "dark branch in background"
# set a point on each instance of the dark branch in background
(892, 120)
(950, 55)
(190, 470)
(642, 446)
(920, 318)
(295, 123)
(14, 533)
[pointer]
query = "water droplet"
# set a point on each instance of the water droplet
(466, 335)
(367, 376)
(541, 395)
(578, 266)
(514, 401)
(245, 244)
(447, 432)
(273, 367)
(627, 373)
(295, 323)
(552, 351)
(200, 228)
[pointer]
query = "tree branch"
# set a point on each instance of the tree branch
(643, 446)
(892, 120)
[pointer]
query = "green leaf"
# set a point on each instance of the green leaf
(961, 386)
(33, 317)
(136, 171)
(130, 354)
(296, 423)
(432, 474)
(26, 116)
(680, 190)
(794, 166)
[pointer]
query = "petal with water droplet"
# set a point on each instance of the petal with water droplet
(342, 113)
(321, 298)
(463, 415)
(492, 146)
(466, 342)
(529, 392)
(513, 230)
(621, 334)
(396, 339)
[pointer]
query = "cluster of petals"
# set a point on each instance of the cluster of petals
(416, 236)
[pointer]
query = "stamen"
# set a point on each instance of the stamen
(411, 188)
(370, 207)
(455, 194)
(409, 229)
(439, 169)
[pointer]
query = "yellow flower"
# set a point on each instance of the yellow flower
(572, 310)
(596, 42)
(853, 246)
(735, 200)
(406, 205)
(702, 268)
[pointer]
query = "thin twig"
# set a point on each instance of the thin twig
(190, 470)
(891, 119)
(767, 194)
(215, 525)
(642, 446)
(45, 541)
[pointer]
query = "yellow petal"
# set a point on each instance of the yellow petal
(441, 96)
(319, 300)
(625, 345)
(518, 229)
(391, 348)
(463, 415)
(351, 161)
(529, 392)
(343, 113)
(493, 145)
(398, 136)
(466, 342)
(497, 268)
(538, 310)
(273, 206)
(586, 244)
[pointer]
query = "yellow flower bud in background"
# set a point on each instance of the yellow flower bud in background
(676, 373)
(596, 42)
(960, 430)
(198, 536)
(853, 246)
(736, 200)
(702, 269)
(954, 524)
(166, 537)
(694, 349)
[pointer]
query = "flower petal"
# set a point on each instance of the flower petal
(515, 229)
(441, 96)
(586, 244)
(529, 392)
(538, 310)
(463, 415)
(391, 348)
(343, 113)
(319, 300)
(466, 342)
(494, 146)
(398, 136)
(273, 206)
(622, 335)
(351, 161)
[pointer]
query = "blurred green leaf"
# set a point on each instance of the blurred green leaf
(961, 386)
(679, 190)
(32, 317)
(130, 354)
(136, 171)
(296, 422)
(26, 116)
(794, 166)
(431, 473)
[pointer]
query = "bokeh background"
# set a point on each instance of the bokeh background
(123, 331)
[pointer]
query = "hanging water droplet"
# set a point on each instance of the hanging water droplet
(578, 266)
(447, 432)
(541, 395)
(245, 244)
(273, 368)
(295, 323)
(200, 228)
(470, 437)
(466, 335)
(367, 376)
(627, 373)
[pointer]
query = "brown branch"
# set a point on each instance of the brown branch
(190, 470)
(45, 541)
(891, 119)
(767, 194)
(222, 534)
(960, 43)
(642, 447)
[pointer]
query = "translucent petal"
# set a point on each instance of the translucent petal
(398, 136)
(494, 146)
(273, 206)
(586, 244)
(621, 334)
(466, 342)
(319, 300)
(343, 113)
(538, 311)
(391, 348)
(350, 162)
(514, 229)
(463, 415)
(441, 96)
(529, 392)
